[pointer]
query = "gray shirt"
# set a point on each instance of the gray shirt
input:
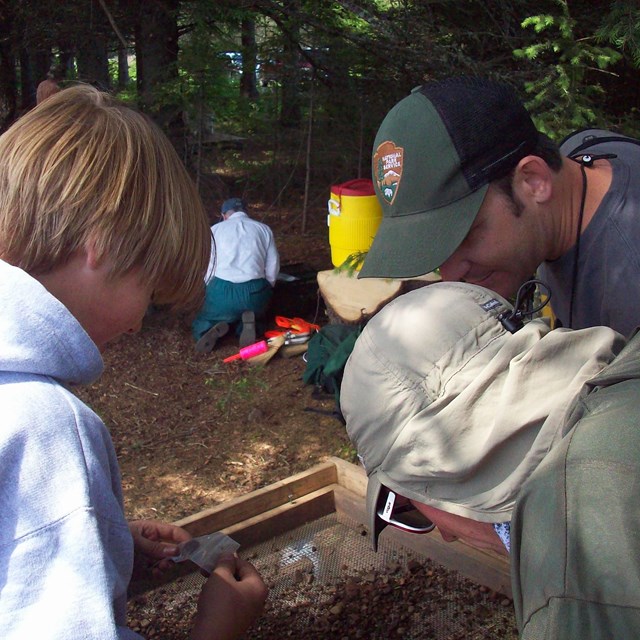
(607, 288)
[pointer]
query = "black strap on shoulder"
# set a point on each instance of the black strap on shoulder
(593, 140)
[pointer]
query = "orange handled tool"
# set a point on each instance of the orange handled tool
(296, 325)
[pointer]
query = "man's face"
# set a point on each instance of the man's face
(500, 251)
(453, 527)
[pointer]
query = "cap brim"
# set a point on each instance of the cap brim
(376, 524)
(413, 245)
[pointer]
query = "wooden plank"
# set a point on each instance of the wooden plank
(284, 518)
(352, 505)
(261, 501)
(351, 476)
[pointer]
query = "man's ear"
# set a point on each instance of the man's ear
(533, 180)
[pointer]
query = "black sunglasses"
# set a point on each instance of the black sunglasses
(397, 511)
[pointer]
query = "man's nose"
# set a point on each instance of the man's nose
(136, 328)
(448, 537)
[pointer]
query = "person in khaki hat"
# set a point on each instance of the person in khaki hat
(468, 185)
(526, 443)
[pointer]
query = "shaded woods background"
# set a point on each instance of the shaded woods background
(277, 100)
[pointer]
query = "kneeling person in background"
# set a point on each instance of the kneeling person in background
(242, 272)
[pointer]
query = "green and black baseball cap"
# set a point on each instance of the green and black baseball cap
(433, 158)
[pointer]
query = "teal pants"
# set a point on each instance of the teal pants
(225, 301)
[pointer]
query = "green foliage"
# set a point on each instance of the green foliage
(344, 64)
(129, 93)
(564, 93)
(237, 389)
(348, 452)
(206, 87)
(352, 263)
(621, 28)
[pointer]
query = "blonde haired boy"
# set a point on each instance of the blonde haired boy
(97, 218)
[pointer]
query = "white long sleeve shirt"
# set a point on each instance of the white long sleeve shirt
(243, 250)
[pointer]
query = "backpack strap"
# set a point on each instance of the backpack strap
(594, 140)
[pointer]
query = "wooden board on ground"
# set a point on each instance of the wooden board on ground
(352, 300)
(337, 486)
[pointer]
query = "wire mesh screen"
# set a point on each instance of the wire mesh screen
(326, 582)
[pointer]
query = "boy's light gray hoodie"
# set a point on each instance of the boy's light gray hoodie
(66, 553)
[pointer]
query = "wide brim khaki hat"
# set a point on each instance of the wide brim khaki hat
(448, 408)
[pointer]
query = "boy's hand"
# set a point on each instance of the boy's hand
(154, 543)
(230, 601)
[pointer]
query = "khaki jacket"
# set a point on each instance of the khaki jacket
(575, 533)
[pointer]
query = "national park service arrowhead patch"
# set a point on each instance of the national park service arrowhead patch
(387, 169)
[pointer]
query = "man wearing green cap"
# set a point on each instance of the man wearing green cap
(468, 184)
(525, 443)
(242, 272)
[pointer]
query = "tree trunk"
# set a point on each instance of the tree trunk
(92, 49)
(290, 111)
(8, 97)
(67, 60)
(123, 67)
(93, 61)
(248, 83)
(307, 180)
(156, 36)
(34, 66)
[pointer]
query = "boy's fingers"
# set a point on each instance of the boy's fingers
(227, 564)
(245, 570)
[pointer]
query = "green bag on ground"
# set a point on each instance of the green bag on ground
(327, 353)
